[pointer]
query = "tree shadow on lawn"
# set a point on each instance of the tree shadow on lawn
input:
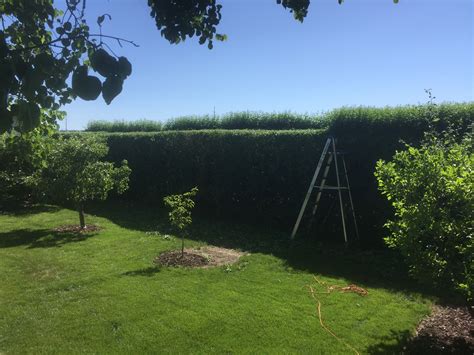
(405, 343)
(377, 268)
(40, 238)
(149, 271)
(395, 343)
(28, 210)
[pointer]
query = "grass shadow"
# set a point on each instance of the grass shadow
(40, 238)
(405, 343)
(395, 343)
(149, 271)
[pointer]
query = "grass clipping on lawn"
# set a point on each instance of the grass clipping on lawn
(334, 288)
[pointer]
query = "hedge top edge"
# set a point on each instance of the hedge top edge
(286, 120)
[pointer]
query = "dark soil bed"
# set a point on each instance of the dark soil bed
(448, 330)
(74, 228)
(175, 258)
(203, 257)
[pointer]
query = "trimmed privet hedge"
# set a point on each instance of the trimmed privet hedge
(259, 176)
(238, 172)
(263, 175)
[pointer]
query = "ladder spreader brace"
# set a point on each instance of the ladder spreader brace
(330, 143)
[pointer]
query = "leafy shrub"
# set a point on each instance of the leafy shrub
(21, 156)
(19, 161)
(431, 190)
(76, 173)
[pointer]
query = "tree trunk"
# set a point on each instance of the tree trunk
(82, 221)
(182, 245)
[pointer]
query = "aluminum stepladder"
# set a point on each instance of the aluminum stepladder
(331, 157)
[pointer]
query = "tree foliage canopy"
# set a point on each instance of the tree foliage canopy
(76, 172)
(180, 208)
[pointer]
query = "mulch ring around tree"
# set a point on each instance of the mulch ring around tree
(448, 330)
(204, 257)
(74, 228)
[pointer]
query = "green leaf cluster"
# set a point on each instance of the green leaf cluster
(40, 49)
(180, 207)
(299, 8)
(178, 20)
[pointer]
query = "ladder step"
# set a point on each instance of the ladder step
(331, 187)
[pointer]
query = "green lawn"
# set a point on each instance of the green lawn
(101, 293)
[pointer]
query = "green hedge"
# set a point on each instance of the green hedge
(259, 176)
(238, 171)
(264, 174)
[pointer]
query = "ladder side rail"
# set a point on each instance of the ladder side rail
(350, 197)
(310, 189)
(321, 188)
(323, 182)
(339, 191)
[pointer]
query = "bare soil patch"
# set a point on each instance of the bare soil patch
(448, 330)
(199, 257)
(74, 228)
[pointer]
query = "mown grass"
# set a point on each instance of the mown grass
(101, 293)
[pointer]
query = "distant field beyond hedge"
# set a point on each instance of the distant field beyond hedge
(264, 174)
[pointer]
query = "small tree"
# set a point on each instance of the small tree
(180, 214)
(76, 173)
(431, 189)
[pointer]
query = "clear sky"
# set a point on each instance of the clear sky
(364, 52)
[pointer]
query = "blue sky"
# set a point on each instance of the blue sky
(365, 52)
